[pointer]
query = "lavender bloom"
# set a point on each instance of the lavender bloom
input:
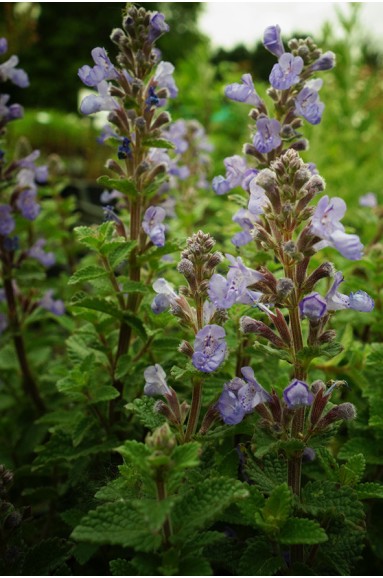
(55, 306)
(108, 196)
(165, 298)
(240, 397)
(235, 170)
(297, 394)
(97, 102)
(361, 301)
(247, 220)
(106, 133)
(309, 454)
(348, 245)
(3, 45)
(157, 26)
(244, 92)
(40, 174)
(37, 252)
(7, 223)
(163, 78)
(272, 40)
(324, 62)
(313, 306)
(26, 203)
(267, 137)
(248, 176)
(11, 112)
(224, 292)
(258, 198)
(209, 348)
(307, 103)
(177, 133)
(260, 395)
(8, 71)
(152, 225)
(368, 200)
(155, 381)
(103, 69)
(335, 300)
(286, 72)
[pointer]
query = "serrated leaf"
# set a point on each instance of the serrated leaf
(137, 454)
(117, 251)
(126, 186)
(102, 393)
(272, 352)
(96, 304)
(186, 456)
(352, 472)
(258, 560)
(128, 286)
(143, 408)
(43, 558)
(302, 531)
(367, 446)
(268, 473)
(87, 274)
(276, 510)
(369, 490)
(158, 143)
(199, 506)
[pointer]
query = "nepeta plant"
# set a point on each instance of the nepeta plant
(21, 247)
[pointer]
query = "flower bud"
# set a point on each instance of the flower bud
(284, 288)
(162, 408)
(186, 348)
(344, 411)
(266, 179)
(300, 145)
(140, 124)
(301, 177)
(327, 269)
(117, 35)
(162, 119)
(161, 440)
(249, 325)
(315, 185)
(327, 336)
(115, 167)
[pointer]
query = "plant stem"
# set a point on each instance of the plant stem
(162, 495)
(28, 381)
(194, 411)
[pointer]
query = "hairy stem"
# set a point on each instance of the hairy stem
(194, 411)
(162, 495)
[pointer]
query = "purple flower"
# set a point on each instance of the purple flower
(152, 225)
(297, 394)
(124, 151)
(37, 252)
(103, 69)
(324, 62)
(286, 72)
(361, 301)
(307, 103)
(165, 298)
(209, 348)
(11, 112)
(267, 137)
(3, 45)
(240, 397)
(313, 306)
(106, 133)
(177, 134)
(235, 170)
(244, 92)
(7, 223)
(157, 26)
(258, 198)
(247, 220)
(108, 196)
(368, 200)
(272, 40)
(349, 246)
(225, 291)
(97, 102)
(55, 306)
(334, 299)
(248, 176)
(8, 71)
(39, 174)
(163, 78)
(27, 205)
(155, 381)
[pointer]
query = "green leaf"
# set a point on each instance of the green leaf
(352, 472)
(121, 567)
(87, 274)
(268, 473)
(276, 510)
(272, 352)
(199, 506)
(302, 531)
(128, 286)
(117, 251)
(137, 454)
(43, 558)
(119, 523)
(258, 560)
(135, 323)
(158, 143)
(102, 393)
(126, 186)
(81, 300)
(143, 408)
(369, 490)
(367, 446)
(186, 456)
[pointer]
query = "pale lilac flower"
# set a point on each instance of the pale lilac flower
(27, 205)
(240, 397)
(103, 69)
(348, 245)
(361, 301)
(225, 291)
(152, 225)
(155, 381)
(8, 71)
(260, 395)
(368, 200)
(37, 252)
(248, 177)
(272, 40)
(97, 102)
(177, 134)
(106, 133)
(297, 394)
(324, 62)
(166, 296)
(7, 222)
(40, 173)
(209, 348)
(209, 310)
(258, 198)
(286, 72)
(157, 26)
(108, 196)
(335, 300)
(307, 102)
(247, 220)
(244, 92)
(163, 78)
(55, 306)
(11, 112)
(236, 168)
(313, 306)
(3, 45)
(267, 137)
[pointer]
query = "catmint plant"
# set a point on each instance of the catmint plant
(21, 247)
